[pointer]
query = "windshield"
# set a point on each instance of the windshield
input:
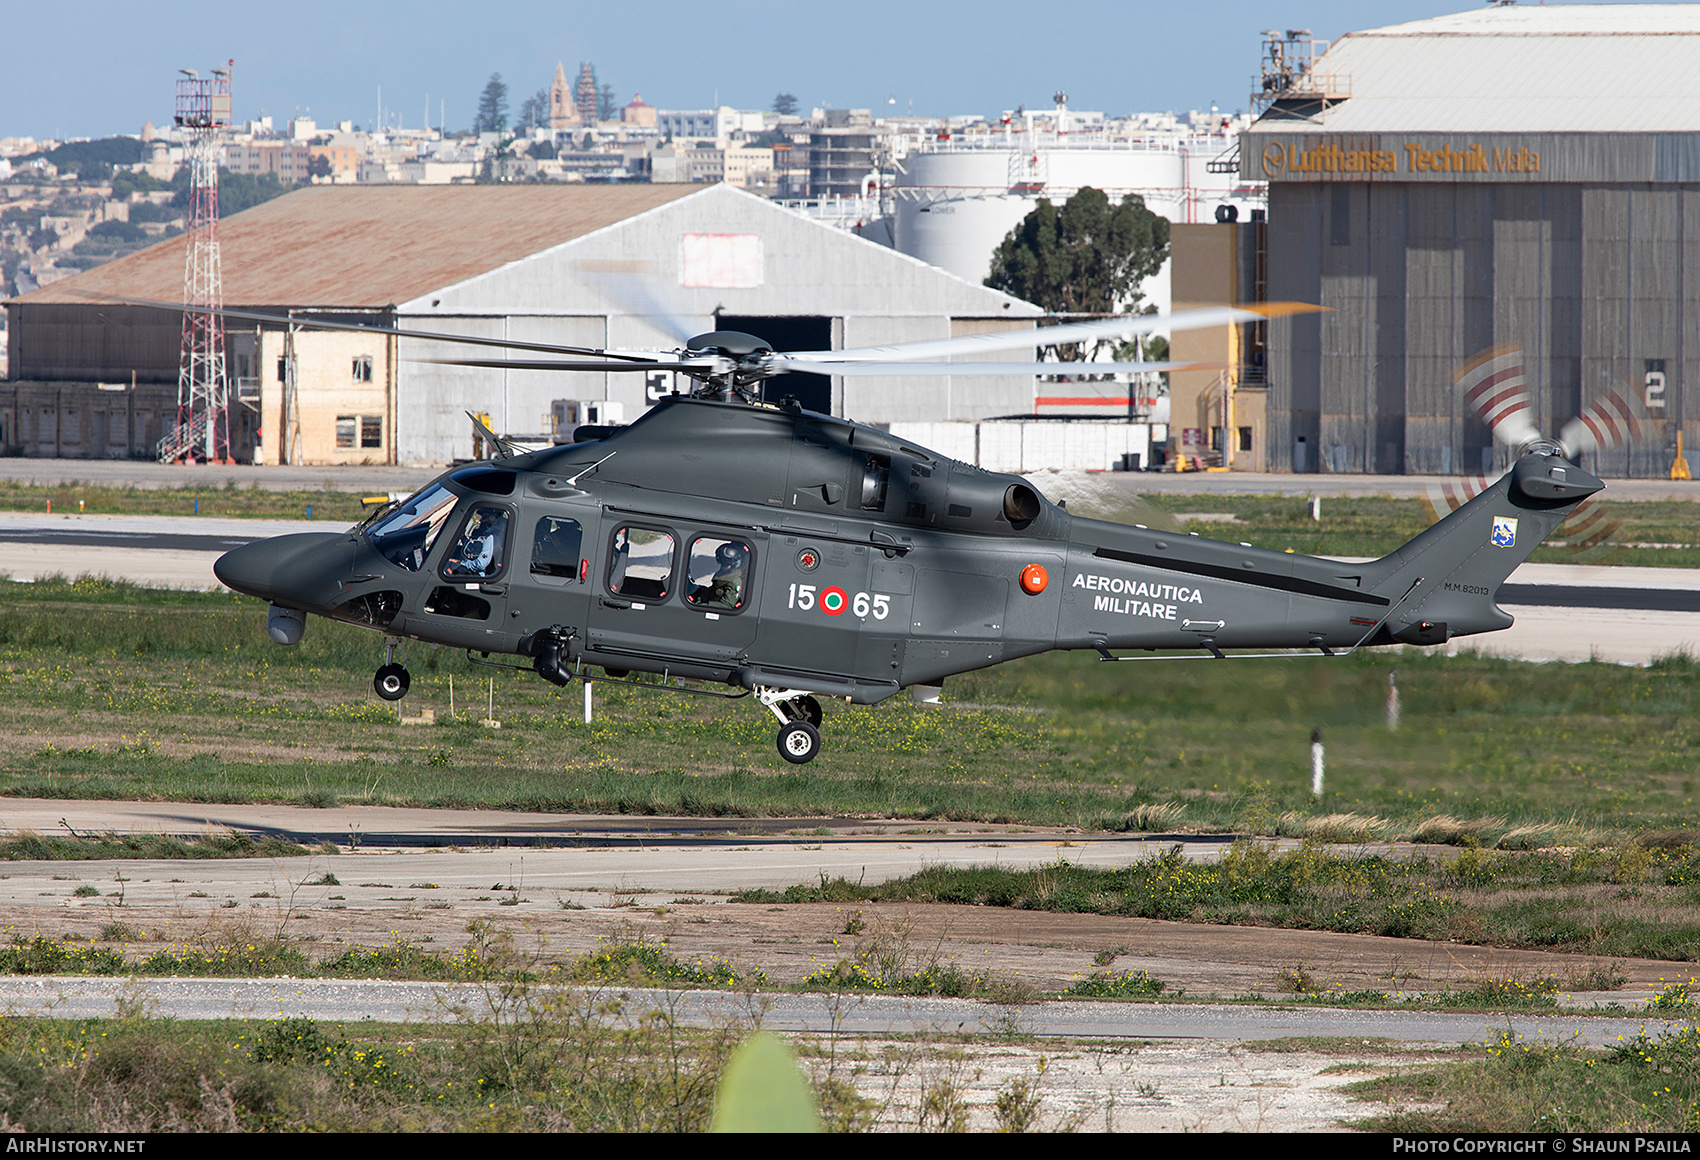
(405, 536)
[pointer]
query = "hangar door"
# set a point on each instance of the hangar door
(789, 332)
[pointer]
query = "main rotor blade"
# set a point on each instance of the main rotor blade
(544, 365)
(635, 286)
(1074, 370)
(316, 324)
(1125, 326)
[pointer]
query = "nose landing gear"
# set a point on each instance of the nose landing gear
(391, 681)
(799, 722)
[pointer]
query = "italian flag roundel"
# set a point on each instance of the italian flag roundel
(833, 600)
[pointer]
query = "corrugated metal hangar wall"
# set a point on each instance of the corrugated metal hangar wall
(1598, 283)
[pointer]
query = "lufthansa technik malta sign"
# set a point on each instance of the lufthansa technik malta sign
(1310, 158)
(1270, 153)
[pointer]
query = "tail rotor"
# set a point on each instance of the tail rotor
(1495, 389)
(1606, 424)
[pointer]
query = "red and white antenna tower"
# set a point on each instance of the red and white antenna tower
(203, 391)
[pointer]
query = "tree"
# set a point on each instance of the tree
(91, 157)
(1084, 257)
(534, 110)
(606, 110)
(124, 184)
(785, 105)
(236, 191)
(492, 107)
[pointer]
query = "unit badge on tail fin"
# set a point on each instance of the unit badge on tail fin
(1504, 532)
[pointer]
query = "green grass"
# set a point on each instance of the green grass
(576, 1061)
(488, 956)
(28, 846)
(1629, 901)
(109, 691)
(1647, 1084)
(229, 500)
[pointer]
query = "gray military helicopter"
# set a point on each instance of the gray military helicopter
(737, 547)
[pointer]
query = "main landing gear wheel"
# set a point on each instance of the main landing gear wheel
(809, 708)
(391, 682)
(799, 742)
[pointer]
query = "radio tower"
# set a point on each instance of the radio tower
(203, 391)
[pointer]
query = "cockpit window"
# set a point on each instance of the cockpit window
(482, 547)
(405, 536)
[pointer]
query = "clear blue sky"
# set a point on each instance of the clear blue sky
(98, 67)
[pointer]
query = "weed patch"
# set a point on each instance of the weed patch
(1571, 900)
(1650, 1083)
(1127, 985)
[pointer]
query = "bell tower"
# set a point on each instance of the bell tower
(563, 113)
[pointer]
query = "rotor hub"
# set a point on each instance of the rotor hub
(746, 355)
(730, 343)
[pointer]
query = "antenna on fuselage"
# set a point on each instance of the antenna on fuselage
(503, 448)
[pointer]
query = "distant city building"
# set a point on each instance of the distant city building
(743, 166)
(638, 114)
(290, 161)
(747, 167)
(843, 153)
(718, 124)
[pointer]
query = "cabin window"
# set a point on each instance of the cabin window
(405, 536)
(555, 547)
(481, 548)
(717, 577)
(641, 564)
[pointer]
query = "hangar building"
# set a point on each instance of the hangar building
(581, 265)
(1512, 176)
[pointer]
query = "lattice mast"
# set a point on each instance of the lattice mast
(203, 389)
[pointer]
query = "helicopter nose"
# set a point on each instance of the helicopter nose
(289, 568)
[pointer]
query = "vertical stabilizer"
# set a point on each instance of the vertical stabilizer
(1458, 564)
